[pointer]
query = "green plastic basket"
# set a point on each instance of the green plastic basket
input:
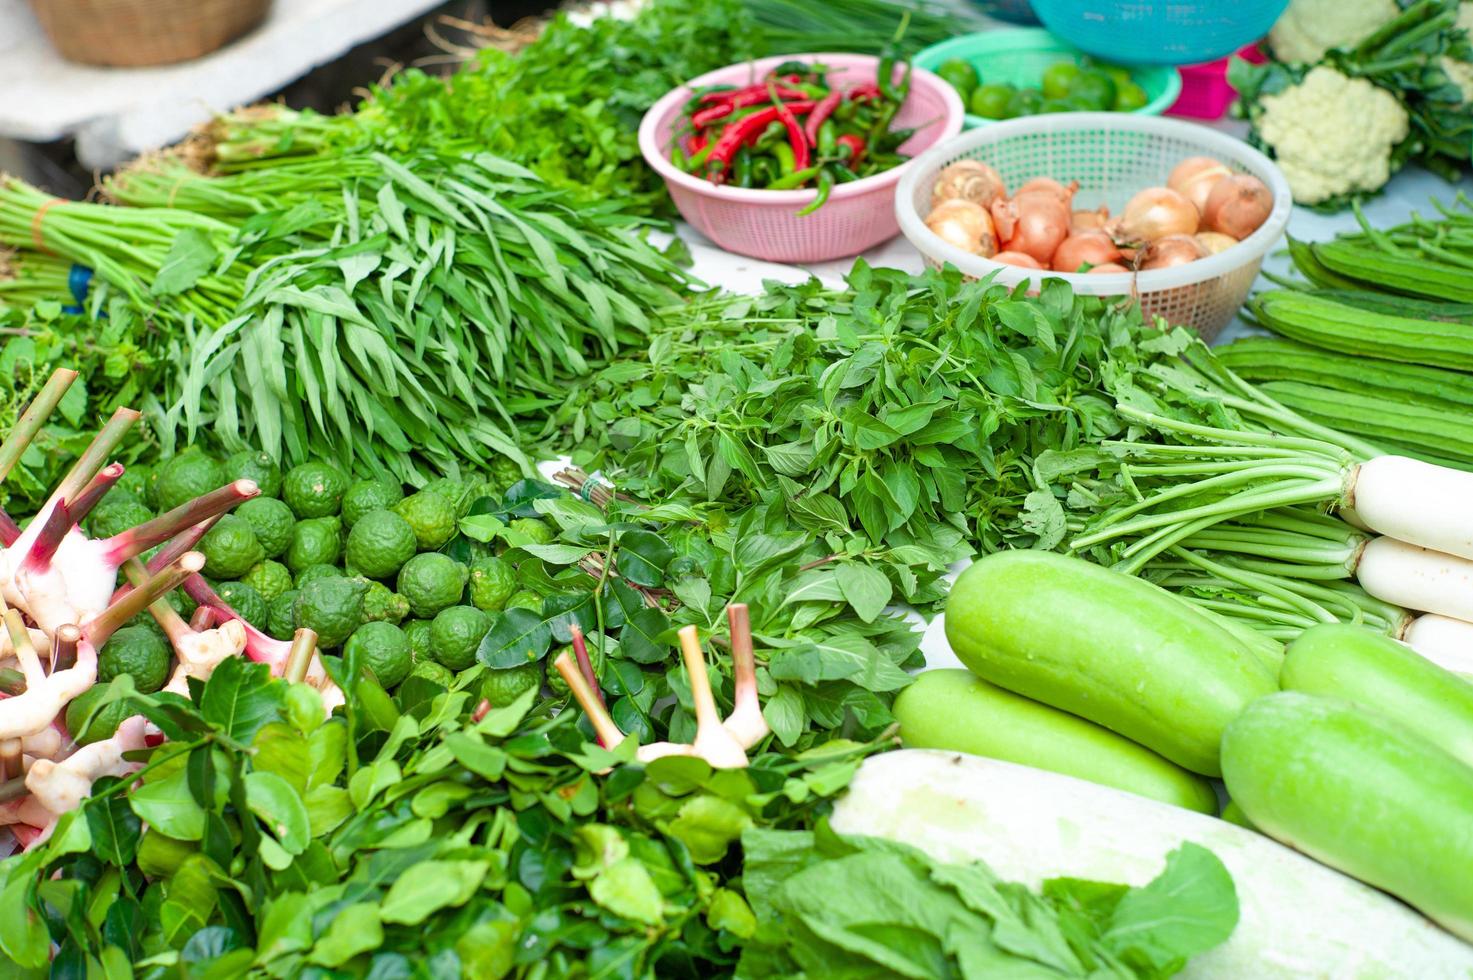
(1020, 55)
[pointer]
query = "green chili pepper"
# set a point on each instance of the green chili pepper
(825, 185)
(783, 153)
(742, 168)
(700, 158)
(826, 137)
(677, 157)
(774, 135)
(795, 179)
(845, 175)
(763, 172)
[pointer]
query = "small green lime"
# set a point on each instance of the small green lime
(1094, 88)
(418, 631)
(431, 582)
(245, 600)
(380, 604)
(190, 474)
(502, 687)
(272, 521)
(105, 724)
(555, 682)
(533, 530)
(230, 548)
(256, 466)
(455, 633)
(1130, 97)
(432, 671)
(116, 518)
(1061, 105)
(139, 651)
(960, 75)
(524, 600)
(364, 496)
(315, 541)
(430, 515)
(1057, 79)
(1024, 102)
(314, 489)
(992, 101)
(314, 572)
(281, 615)
(269, 578)
(382, 648)
(380, 543)
(332, 607)
(493, 581)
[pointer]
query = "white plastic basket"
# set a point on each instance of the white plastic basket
(1112, 155)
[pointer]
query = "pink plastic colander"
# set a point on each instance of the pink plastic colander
(765, 224)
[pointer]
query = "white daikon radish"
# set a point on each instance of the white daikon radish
(1416, 502)
(1417, 578)
(1443, 640)
(1298, 917)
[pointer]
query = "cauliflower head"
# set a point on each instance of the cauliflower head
(1332, 134)
(1461, 72)
(1309, 28)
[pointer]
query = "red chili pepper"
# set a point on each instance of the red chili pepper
(855, 143)
(821, 111)
(795, 133)
(760, 88)
(868, 90)
(710, 114)
(695, 144)
(745, 131)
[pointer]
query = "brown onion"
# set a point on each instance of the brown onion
(1108, 269)
(1051, 186)
(968, 180)
(1034, 223)
(1237, 206)
(1155, 212)
(1215, 241)
(1195, 177)
(965, 224)
(1094, 247)
(1171, 250)
(1089, 220)
(1021, 259)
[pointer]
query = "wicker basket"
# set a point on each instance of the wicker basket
(137, 33)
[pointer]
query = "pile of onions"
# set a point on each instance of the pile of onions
(1205, 208)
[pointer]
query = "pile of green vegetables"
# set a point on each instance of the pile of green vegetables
(1065, 86)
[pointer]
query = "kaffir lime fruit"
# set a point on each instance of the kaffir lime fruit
(366, 496)
(314, 489)
(382, 648)
(246, 601)
(139, 651)
(380, 543)
(524, 600)
(272, 521)
(493, 581)
(555, 682)
(188, 475)
(431, 582)
(315, 541)
(432, 671)
(281, 615)
(331, 607)
(455, 633)
(133, 483)
(115, 518)
(418, 631)
(269, 578)
(230, 548)
(537, 532)
(320, 570)
(505, 472)
(105, 724)
(380, 604)
(181, 603)
(455, 492)
(502, 687)
(431, 516)
(256, 466)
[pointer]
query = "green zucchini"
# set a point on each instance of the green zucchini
(1106, 646)
(1360, 793)
(1323, 322)
(1400, 273)
(958, 711)
(1444, 430)
(1276, 359)
(1386, 677)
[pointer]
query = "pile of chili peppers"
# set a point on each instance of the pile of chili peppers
(791, 130)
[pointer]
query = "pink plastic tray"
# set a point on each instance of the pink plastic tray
(764, 224)
(1205, 92)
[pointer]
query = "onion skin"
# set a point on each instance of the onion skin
(1020, 259)
(965, 224)
(968, 180)
(1050, 186)
(1173, 250)
(1154, 213)
(1195, 177)
(1034, 222)
(1093, 247)
(1108, 269)
(1088, 220)
(1215, 241)
(1237, 206)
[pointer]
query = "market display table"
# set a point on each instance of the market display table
(118, 113)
